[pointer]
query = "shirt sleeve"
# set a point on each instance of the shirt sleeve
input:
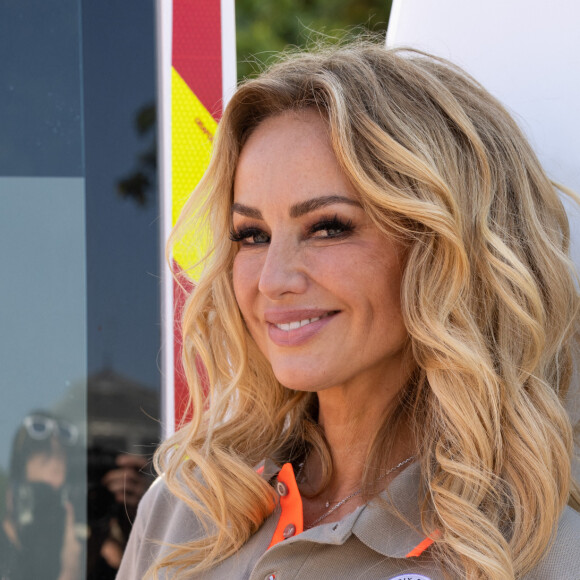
(562, 559)
(139, 553)
(129, 569)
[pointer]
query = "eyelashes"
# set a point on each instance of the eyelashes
(325, 228)
(245, 234)
(335, 227)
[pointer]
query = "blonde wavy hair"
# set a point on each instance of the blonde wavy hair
(488, 298)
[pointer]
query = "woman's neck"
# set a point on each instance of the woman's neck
(351, 422)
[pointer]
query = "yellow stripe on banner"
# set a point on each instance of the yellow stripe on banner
(192, 131)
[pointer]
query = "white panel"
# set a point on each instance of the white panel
(526, 52)
(229, 58)
(164, 17)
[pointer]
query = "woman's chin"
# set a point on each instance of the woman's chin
(303, 382)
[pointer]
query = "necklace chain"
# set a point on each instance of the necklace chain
(354, 494)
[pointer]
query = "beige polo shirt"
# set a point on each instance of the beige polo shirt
(371, 543)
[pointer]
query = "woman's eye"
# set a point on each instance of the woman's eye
(331, 228)
(250, 236)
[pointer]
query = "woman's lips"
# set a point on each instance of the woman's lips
(294, 329)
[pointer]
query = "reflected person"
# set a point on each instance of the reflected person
(37, 538)
(116, 483)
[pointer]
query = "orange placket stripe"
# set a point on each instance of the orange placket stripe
(421, 547)
(290, 504)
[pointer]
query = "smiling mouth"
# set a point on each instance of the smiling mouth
(300, 323)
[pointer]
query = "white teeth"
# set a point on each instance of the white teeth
(294, 325)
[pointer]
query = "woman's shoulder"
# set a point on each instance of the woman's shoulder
(162, 519)
(157, 498)
(562, 559)
(166, 517)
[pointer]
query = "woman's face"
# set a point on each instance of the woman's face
(316, 281)
(47, 468)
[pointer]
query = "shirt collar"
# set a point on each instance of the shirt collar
(391, 523)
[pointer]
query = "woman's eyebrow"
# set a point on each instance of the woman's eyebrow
(298, 209)
(246, 210)
(315, 203)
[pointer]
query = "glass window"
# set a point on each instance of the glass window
(79, 292)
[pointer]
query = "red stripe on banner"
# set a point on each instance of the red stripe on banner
(183, 411)
(197, 50)
(181, 392)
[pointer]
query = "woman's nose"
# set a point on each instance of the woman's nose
(283, 270)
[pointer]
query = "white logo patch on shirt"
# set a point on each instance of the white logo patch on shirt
(410, 577)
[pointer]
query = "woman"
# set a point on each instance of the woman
(387, 310)
(38, 533)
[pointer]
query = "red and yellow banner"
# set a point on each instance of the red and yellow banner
(196, 105)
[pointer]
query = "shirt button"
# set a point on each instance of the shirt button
(281, 489)
(289, 531)
(271, 577)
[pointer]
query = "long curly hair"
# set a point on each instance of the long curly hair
(488, 298)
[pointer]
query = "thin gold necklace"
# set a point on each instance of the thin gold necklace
(354, 494)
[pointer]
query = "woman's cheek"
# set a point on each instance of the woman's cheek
(237, 281)
(245, 278)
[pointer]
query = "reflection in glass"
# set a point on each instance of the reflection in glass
(79, 321)
(122, 433)
(40, 535)
(43, 340)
